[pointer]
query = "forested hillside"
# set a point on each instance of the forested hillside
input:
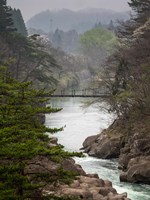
(127, 76)
(132, 60)
(80, 21)
(113, 58)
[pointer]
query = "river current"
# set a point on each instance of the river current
(80, 123)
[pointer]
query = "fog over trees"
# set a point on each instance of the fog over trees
(61, 51)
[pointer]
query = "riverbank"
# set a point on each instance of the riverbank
(79, 124)
(131, 144)
(84, 186)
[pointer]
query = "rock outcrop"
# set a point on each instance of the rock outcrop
(132, 149)
(134, 160)
(102, 146)
(88, 187)
(138, 172)
(84, 186)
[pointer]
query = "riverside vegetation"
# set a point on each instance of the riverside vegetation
(32, 164)
(128, 138)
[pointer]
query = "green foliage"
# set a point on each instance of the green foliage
(6, 22)
(98, 38)
(23, 137)
(31, 61)
(62, 176)
(11, 20)
(96, 45)
(19, 22)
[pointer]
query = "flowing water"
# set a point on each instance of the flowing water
(80, 123)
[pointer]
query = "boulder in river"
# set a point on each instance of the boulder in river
(129, 145)
(102, 146)
(138, 171)
(134, 160)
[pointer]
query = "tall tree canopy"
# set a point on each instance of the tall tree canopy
(29, 58)
(131, 85)
(96, 45)
(141, 8)
(19, 22)
(6, 22)
(98, 38)
(23, 137)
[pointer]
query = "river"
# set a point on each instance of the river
(80, 123)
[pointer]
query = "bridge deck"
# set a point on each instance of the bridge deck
(78, 95)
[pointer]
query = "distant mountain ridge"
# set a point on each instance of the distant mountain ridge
(66, 20)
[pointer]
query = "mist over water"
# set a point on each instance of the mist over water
(79, 124)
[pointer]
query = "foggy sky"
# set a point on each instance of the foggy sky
(32, 7)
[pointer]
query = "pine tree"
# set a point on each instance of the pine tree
(22, 137)
(6, 22)
(111, 25)
(19, 22)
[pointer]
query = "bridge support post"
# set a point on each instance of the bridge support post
(73, 93)
(62, 92)
(82, 92)
(94, 92)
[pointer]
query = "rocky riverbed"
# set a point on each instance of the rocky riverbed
(85, 186)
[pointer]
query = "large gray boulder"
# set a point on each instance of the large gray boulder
(132, 148)
(138, 171)
(102, 146)
(134, 159)
(69, 165)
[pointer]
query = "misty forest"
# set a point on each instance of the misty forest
(75, 104)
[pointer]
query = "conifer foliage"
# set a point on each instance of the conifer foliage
(22, 137)
(19, 22)
(6, 22)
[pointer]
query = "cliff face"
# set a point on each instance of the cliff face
(130, 143)
(134, 158)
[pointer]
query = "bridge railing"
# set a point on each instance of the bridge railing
(94, 92)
